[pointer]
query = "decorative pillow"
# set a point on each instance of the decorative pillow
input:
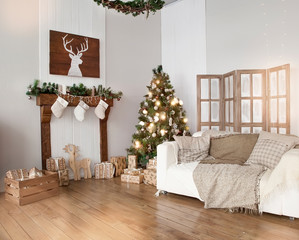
(267, 152)
(233, 148)
(290, 141)
(192, 149)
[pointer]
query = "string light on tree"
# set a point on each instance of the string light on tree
(144, 112)
(174, 102)
(161, 115)
(137, 144)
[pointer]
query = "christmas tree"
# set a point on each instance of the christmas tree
(161, 116)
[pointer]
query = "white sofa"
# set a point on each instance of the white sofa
(178, 179)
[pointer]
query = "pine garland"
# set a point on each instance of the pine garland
(80, 90)
(135, 7)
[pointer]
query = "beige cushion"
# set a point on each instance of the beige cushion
(233, 148)
(290, 141)
(267, 152)
(192, 149)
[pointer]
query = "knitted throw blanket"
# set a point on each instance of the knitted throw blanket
(231, 186)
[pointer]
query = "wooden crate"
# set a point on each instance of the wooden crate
(31, 190)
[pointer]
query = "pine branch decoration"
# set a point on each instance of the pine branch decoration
(135, 7)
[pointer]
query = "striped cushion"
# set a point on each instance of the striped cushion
(267, 152)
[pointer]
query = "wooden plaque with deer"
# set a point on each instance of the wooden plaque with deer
(74, 55)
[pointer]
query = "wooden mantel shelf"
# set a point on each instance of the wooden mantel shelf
(45, 101)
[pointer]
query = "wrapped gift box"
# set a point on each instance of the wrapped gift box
(103, 170)
(133, 172)
(152, 164)
(55, 164)
(119, 164)
(34, 173)
(132, 162)
(150, 177)
(17, 174)
(64, 179)
(132, 179)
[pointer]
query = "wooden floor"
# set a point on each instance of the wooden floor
(109, 209)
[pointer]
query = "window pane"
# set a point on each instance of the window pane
(226, 87)
(245, 85)
(257, 111)
(226, 128)
(273, 83)
(273, 130)
(205, 89)
(273, 110)
(215, 128)
(245, 111)
(231, 129)
(257, 129)
(204, 128)
(282, 110)
(215, 88)
(245, 130)
(214, 111)
(205, 112)
(282, 130)
(257, 85)
(282, 82)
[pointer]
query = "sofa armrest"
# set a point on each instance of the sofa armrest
(167, 154)
(285, 175)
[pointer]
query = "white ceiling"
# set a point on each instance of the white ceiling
(169, 1)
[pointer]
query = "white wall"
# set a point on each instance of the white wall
(82, 17)
(19, 118)
(254, 34)
(133, 50)
(184, 50)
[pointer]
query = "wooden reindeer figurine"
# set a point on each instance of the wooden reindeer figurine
(77, 165)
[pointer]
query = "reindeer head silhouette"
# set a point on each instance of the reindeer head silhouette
(76, 58)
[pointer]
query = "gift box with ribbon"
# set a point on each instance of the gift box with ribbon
(131, 178)
(55, 164)
(134, 171)
(17, 174)
(152, 164)
(119, 164)
(104, 170)
(150, 177)
(64, 179)
(132, 161)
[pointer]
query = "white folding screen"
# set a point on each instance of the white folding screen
(246, 101)
(209, 102)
